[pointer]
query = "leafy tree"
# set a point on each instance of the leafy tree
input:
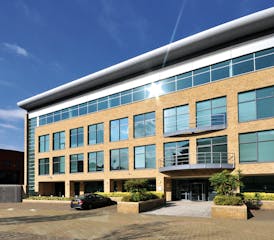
(225, 183)
(136, 185)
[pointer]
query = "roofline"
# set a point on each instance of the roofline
(221, 34)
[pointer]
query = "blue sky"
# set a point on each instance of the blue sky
(46, 43)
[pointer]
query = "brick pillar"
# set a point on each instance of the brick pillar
(67, 189)
(168, 188)
(82, 188)
(107, 186)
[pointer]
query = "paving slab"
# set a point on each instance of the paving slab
(185, 208)
(31, 221)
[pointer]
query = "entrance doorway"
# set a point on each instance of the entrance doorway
(76, 189)
(59, 189)
(193, 190)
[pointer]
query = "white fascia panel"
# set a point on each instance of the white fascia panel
(182, 67)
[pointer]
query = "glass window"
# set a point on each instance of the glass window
(138, 94)
(243, 64)
(212, 150)
(92, 106)
(96, 161)
(126, 97)
(247, 111)
(42, 120)
(102, 103)
(49, 118)
(257, 104)
(74, 111)
(43, 166)
(176, 153)
(76, 163)
(119, 129)
(184, 80)
(144, 157)
(57, 116)
(59, 165)
(201, 76)
(77, 137)
(83, 109)
(96, 133)
(144, 125)
(168, 85)
(211, 112)
(176, 119)
(257, 147)
(65, 114)
(264, 58)
(119, 159)
(114, 100)
(59, 140)
(44, 143)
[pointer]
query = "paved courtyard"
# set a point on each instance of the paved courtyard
(184, 208)
(57, 221)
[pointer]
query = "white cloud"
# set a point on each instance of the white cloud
(16, 49)
(6, 83)
(8, 126)
(12, 114)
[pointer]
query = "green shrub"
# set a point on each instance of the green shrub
(228, 200)
(140, 196)
(48, 198)
(253, 200)
(126, 198)
(225, 183)
(258, 196)
(114, 194)
(136, 185)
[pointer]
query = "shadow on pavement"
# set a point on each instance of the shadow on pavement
(136, 231)
(45, 218)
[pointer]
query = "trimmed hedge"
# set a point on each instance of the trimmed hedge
(139, 196)
(48, 198)
(127, 194)
(228, 200)
(262, 196)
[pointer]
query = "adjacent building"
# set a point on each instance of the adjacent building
(11, 167)
(174, 115)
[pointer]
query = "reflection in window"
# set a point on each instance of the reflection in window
(119, 129)
(119, 159)
(176, 119)
(44, 143)
(96, 133)
(211, 112)
(176, 153)
(59, 140)
(257, 104)
(77, 137)
(212, 150)
(96, 161)
(144, 125)
(59, 165)
(76, 163)
(144, 157)
(257, 146)
(43, 166)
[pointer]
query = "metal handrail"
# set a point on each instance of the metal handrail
(201, 158)
(215, 158)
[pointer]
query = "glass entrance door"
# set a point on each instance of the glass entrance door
(197, 192)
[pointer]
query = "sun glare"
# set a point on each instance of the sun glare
(155, 90)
